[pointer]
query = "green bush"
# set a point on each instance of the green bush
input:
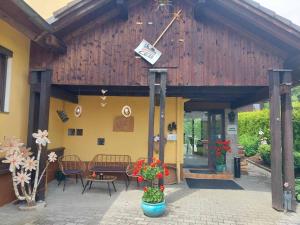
(265, 153)
(250, 144)
(297, 189)
(251, 123)
(297, 159)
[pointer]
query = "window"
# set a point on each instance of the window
(5, 78)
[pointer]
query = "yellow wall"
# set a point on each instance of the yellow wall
(14, 123)
(56, 126)
(46, 7)
(97, 121)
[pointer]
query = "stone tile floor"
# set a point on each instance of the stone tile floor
(185, 206)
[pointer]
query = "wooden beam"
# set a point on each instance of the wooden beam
(260, 95)
(122, 5)
(62, 94)
(199, 10)
(276, 143)
(151, 115)
(287, 136)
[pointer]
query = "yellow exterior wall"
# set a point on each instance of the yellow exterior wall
(97, 121)
(46, 7)
(15, 122)
(56, 126)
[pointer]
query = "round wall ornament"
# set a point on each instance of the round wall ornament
(126, 111)
(78, 111)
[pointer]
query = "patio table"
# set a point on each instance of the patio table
(101, 178)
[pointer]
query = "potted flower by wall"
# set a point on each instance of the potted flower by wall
(153, 200)
(222, 147)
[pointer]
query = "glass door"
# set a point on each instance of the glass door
(216, 131)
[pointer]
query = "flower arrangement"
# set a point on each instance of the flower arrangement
(153, 193)
(222, 147)
(23, 165)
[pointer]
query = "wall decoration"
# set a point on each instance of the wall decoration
(123, 124)
(100, 141)
(164, 5)
(103, 97)
(148, 51)
(172, 127)
(79, 132)
(78, 111)
(126, 111)
(71, 132)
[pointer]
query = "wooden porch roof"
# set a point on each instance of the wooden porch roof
(19, 15)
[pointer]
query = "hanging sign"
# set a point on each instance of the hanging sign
(148, 52)
(232, 129)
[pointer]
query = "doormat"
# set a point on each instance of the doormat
(212, 184)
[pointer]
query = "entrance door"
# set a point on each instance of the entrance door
(216, 131)
(202, 130)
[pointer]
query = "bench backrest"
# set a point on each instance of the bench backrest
(103, 160)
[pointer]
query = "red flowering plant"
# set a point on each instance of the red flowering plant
(222, 147)
(156, 170)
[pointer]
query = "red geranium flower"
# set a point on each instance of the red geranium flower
(159, 175)
(162, 188)
(167, 173)
(140, 179)
(145, 189)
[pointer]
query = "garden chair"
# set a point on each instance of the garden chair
(71, 165)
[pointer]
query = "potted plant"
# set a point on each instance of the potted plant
(222, 147)
(153, 200)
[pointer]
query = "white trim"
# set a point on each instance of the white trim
(8, 84)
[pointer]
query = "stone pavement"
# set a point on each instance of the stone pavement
(185, 206)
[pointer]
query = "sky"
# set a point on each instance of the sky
(289, 9)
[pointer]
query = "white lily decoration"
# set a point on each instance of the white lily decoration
(22, 165)
(15, 161)
(30, 164)
(52, 157)
(22, 178)
(41, 137)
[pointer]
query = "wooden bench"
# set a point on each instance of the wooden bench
(111, 164)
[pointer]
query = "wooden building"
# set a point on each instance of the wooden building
(216, 57)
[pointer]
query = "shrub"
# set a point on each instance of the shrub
(250, 144)
(297, 189)
(265, 153)
(297, 160)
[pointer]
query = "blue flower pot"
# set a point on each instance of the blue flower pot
(154, 210)
(220, 168)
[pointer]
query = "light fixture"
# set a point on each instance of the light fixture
(231, 117)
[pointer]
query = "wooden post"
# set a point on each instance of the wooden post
(40, 91)
(287, 136)
(211, 141)
(151, 115)
(276, 154)
(163, 84)
(44, 106)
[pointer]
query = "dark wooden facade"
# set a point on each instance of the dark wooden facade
(208, 52)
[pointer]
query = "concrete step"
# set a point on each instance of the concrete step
(213, 176)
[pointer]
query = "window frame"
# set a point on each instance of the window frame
(7, 55)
